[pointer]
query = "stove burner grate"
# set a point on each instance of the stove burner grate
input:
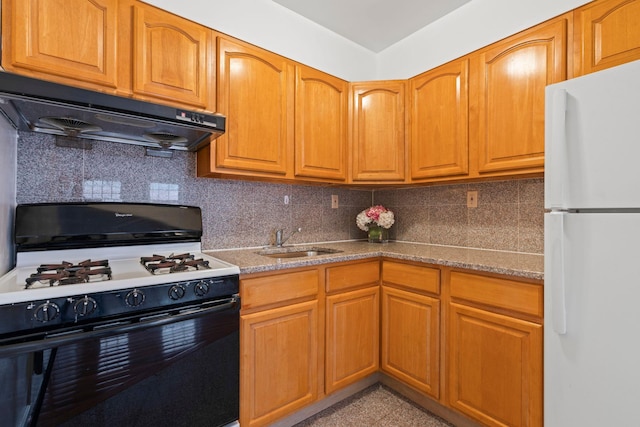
(173, 263)
(67, 273)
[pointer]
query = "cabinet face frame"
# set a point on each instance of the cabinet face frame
(483, 382)
(321, 114)
(410, 350)
(606, 34)
(528, 62)
(56, 56)
(439, 109)
(378, 131)
(257, 139)
(275, 383)
(172, 58)
(352, 337)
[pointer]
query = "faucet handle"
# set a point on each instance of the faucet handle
(279, 233)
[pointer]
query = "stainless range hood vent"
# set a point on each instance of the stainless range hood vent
(46, 107)
(165, 140)
(69, 125)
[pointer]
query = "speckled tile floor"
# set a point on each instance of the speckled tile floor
(374, 406)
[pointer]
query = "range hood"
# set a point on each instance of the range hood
(52, 108)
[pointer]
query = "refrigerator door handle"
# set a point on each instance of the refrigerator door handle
(556, 152)
(555, 268)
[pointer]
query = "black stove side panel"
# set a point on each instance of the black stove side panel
(50, 226)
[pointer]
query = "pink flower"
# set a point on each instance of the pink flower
(378, 215)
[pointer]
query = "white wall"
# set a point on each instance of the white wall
(8, 170)
(274, 27)
(476, 24)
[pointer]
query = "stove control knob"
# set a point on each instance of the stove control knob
(201, 288)
(46, 312)
(176, 292)
(134, 298)
(85, 306)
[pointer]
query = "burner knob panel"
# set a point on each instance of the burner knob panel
(46, 312)
(201, 288)
(176, 292)
(134, 298)
(85, 306)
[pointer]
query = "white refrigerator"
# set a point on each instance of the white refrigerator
(592, 250)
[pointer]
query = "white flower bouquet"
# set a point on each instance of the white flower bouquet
(375, 216)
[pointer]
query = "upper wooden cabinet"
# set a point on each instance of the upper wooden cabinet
(285, 121)
(116, 46)
(378, 131)
(510, 79)
(439, 108)
(321, 113)
(172, 58)
(606, 34)
(69, 41)
(255, 93)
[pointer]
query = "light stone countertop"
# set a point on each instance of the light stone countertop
(530, 266)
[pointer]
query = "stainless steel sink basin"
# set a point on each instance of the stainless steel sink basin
(296, 252)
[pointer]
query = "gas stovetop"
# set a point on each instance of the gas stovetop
(85, 264)
(126, 269)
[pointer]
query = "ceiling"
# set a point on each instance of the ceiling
(374, 24)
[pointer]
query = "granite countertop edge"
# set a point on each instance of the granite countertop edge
(523, 265)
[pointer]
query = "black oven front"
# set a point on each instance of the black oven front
(176, 367)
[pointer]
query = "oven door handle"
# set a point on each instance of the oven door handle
(118, 327)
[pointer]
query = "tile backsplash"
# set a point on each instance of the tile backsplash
(246, 213)
(509, 216)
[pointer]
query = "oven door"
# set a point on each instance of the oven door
(179, 369)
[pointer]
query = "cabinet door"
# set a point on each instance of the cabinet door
(279, 354)
(379, 131)
(511, 77)
(171, 58)
(255, 93)
(495, 367)
(352, 337)
(68, 41)
(410, 339)
(607, 33)
(320, 125)
(440, 122)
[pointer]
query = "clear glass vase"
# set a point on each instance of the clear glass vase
(378, 234)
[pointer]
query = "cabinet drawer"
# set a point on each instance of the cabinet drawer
(352, 275)
(411, 276)
(507, 294)
(278, 288)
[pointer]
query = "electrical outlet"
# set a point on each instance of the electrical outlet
(286, 200)
(334, 201)
(472, 199)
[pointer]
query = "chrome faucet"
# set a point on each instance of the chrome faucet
(279, 233)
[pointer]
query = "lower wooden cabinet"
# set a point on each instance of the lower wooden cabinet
(351, 337)
(279, 336)
(410, 339)
(494, 350)
(279, 361)
(468, 341)
(352, 322)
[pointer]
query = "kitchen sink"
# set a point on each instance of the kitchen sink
(296, 252)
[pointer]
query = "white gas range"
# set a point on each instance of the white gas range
(85, 263)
